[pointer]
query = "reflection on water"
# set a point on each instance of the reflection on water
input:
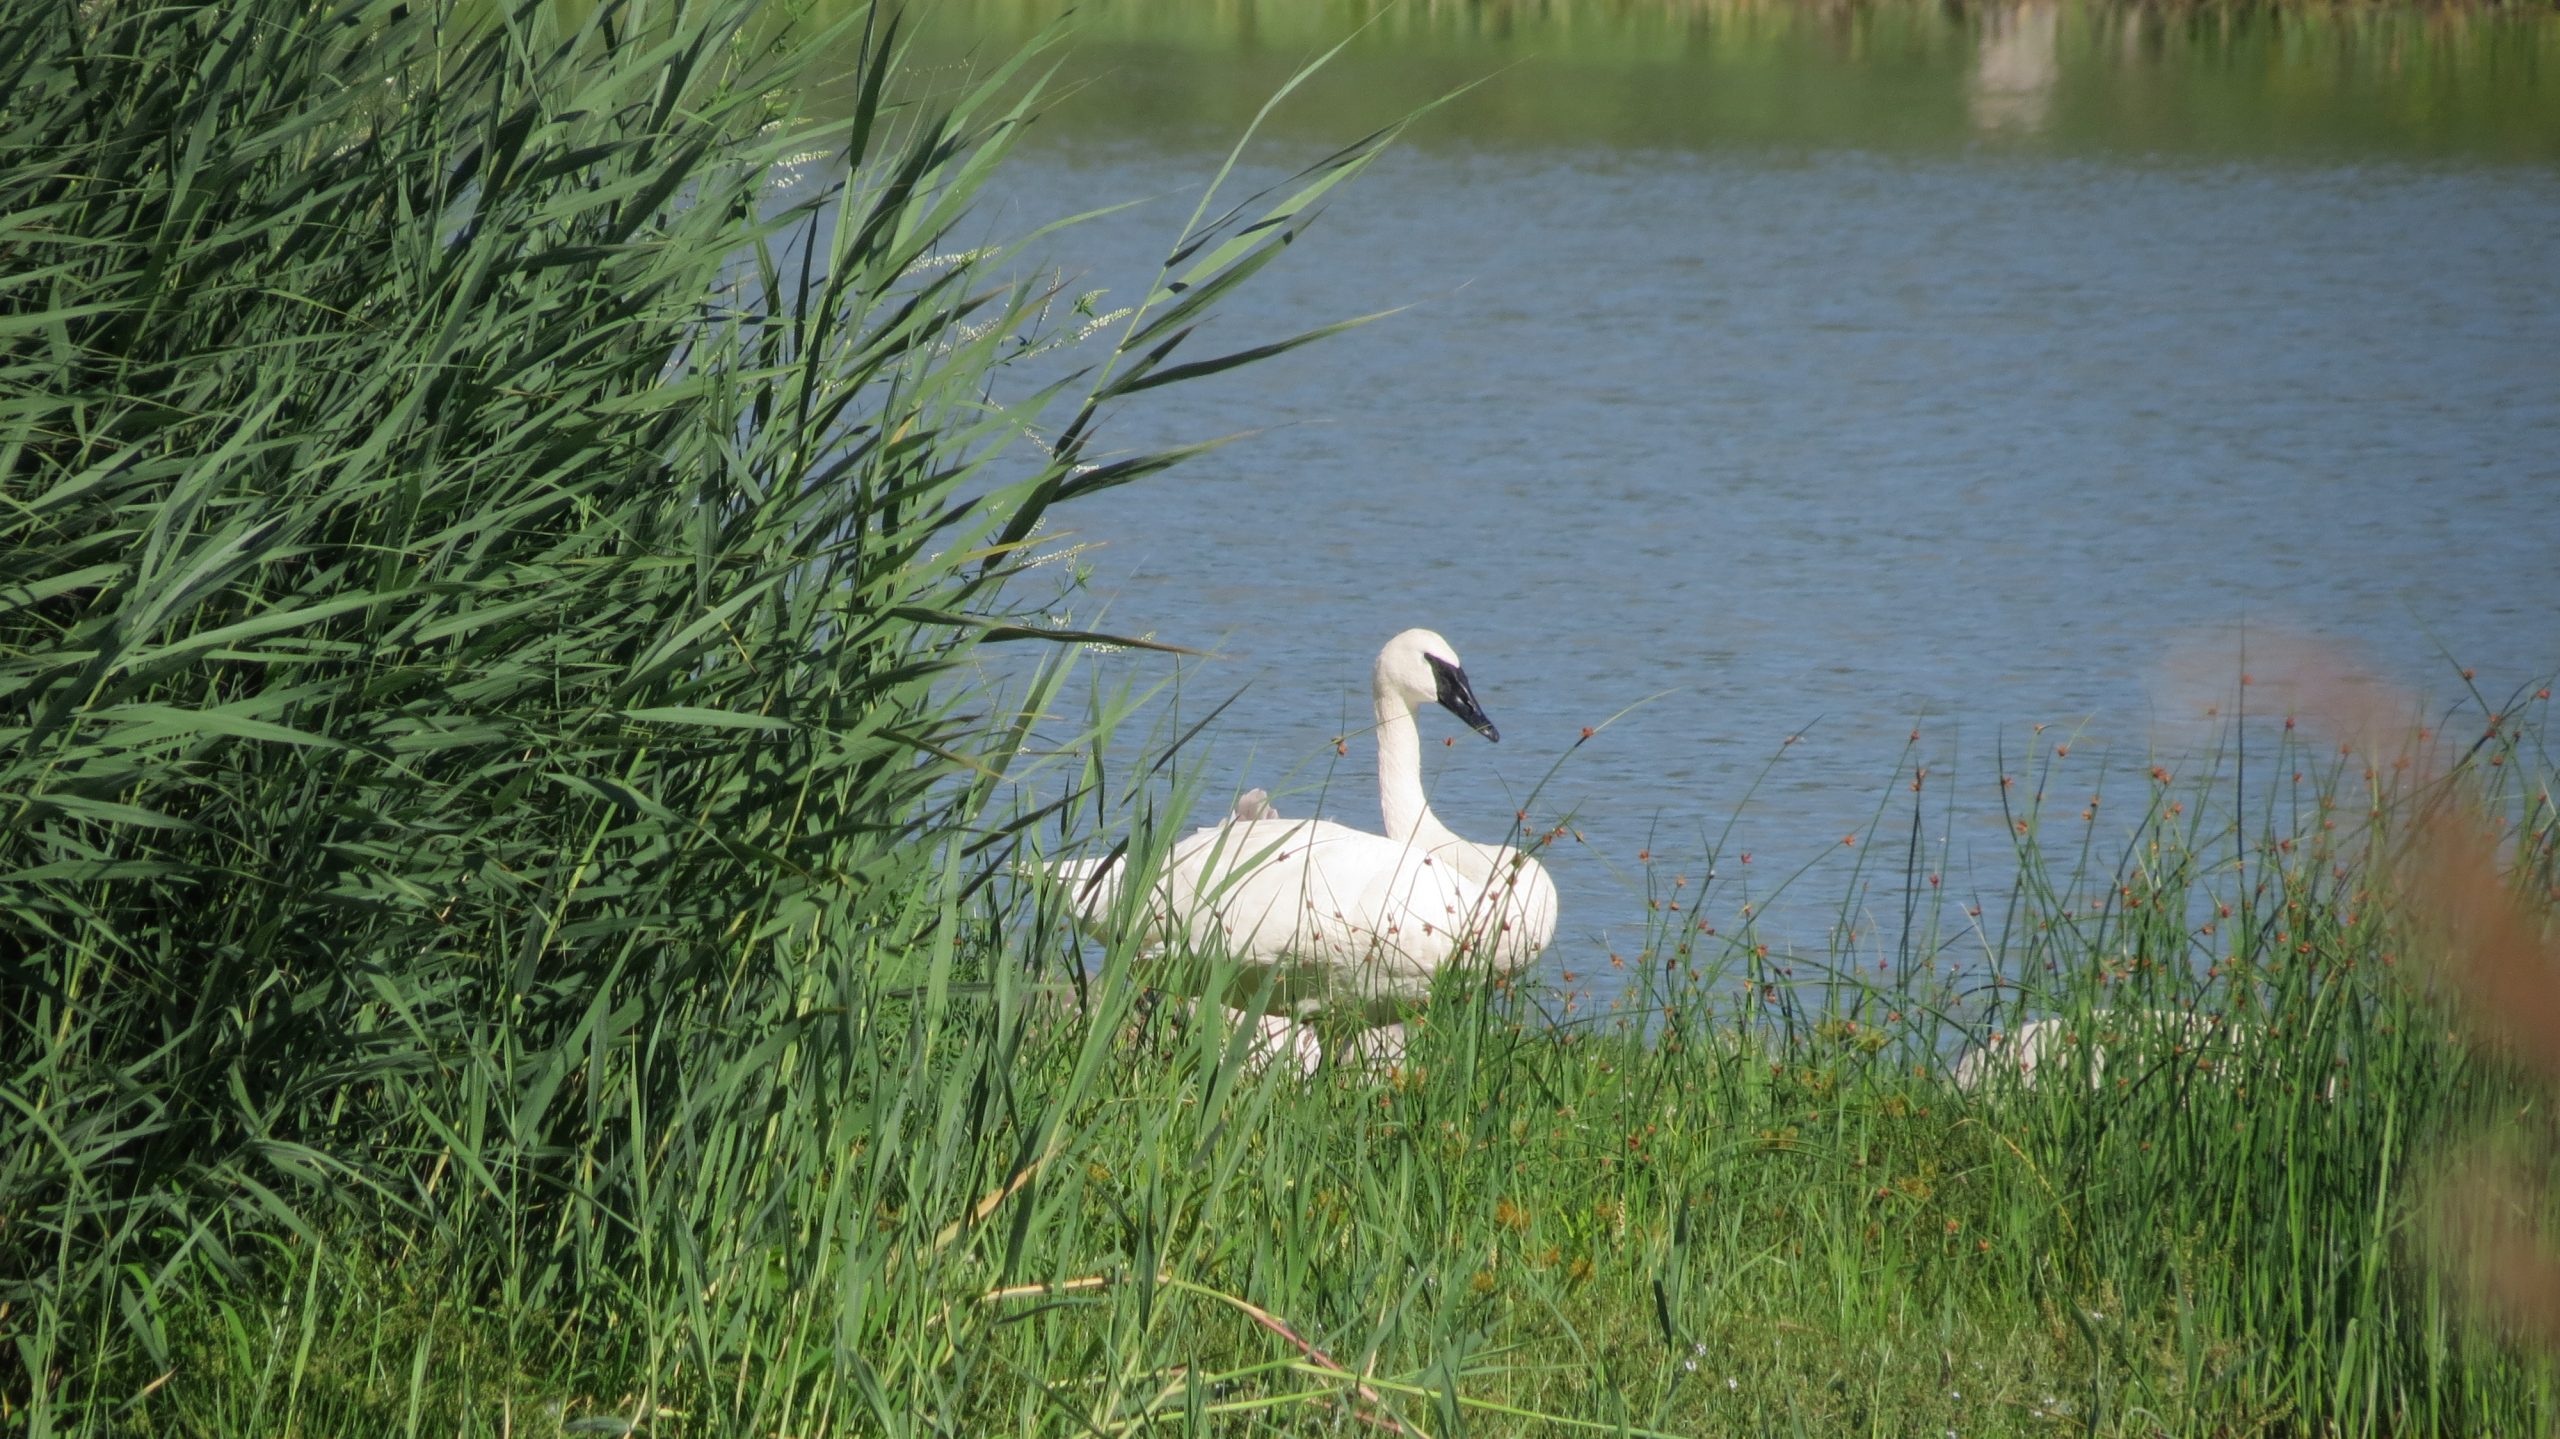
(2019, 60)
(2335, 80)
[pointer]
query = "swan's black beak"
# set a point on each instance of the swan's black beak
(1459, 700)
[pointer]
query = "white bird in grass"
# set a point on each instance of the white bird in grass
(1334, 916)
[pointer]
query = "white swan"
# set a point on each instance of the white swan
(1334, 916)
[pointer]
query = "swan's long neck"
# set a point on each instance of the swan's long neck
(1401, 804)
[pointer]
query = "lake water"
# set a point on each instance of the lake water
(1964, 375)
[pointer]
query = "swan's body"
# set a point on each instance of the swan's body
(1325, 914)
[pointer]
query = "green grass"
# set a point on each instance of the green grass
(1016, 1211)
(510, 922)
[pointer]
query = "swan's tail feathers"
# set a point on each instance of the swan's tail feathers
(1255, 804)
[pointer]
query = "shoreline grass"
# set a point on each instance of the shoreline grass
(1051, 1215)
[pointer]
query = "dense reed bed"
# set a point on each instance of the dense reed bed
(510, 921)
(493, 499)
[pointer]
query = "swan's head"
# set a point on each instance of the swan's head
(1421, 667)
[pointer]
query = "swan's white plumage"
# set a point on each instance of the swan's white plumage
(1334, 915)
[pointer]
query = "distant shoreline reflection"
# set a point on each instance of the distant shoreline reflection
(2016, 66)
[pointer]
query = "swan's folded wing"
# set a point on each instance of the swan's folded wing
(1510, 903)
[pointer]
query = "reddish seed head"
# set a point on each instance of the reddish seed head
(2466, 674)
(1586, 731)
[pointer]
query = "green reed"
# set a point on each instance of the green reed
(498, 515)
